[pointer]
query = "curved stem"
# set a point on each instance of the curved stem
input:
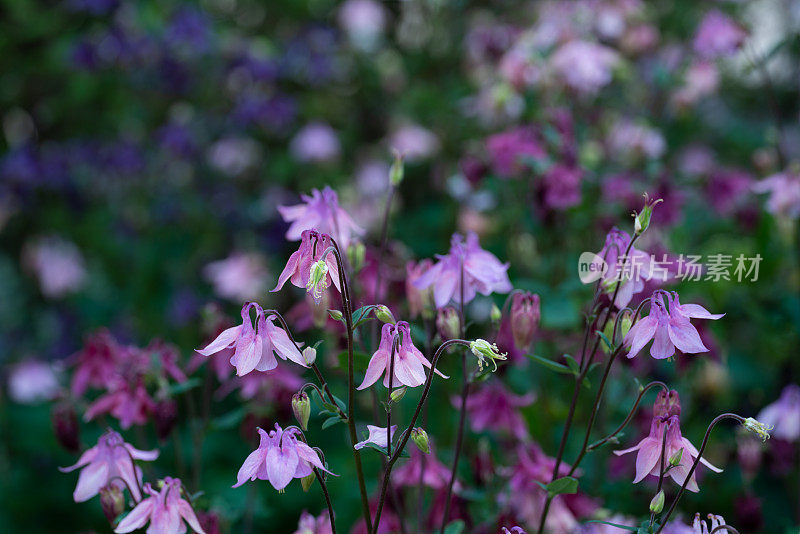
(407, 432)
(689, 475)
(327, 498)
(631, 413)
(724, 527)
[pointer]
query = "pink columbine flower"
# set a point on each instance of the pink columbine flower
(669, 329)
(378, 436)
(32, 381)
(434, 473)
(109, 462)
(409, 362)
(703, 527)
(129, 402)
(279, 458)
(784, 193)
(254, 348)
(95, 365)
(482, 272)
(630, 271)
(308, 524)
(298, 269)
(525, 315)
(718, 36)
(493, 407)
(320, 211)
(784, 414)
(562, 186)
(666, 418)
(166, 511)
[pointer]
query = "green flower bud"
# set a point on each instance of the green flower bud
(336, 315)
(397, 171)
(641, 220)
(448, 323)
(356, 252)
(398, 394)
(384, 314)
(301, 407)
(309, 355)
(307, 481)
(486, 352)
(758, 428)
(657, 504)
(420, 438)
(675, 459)
(495, 315)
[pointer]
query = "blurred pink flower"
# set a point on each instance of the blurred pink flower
(364, 21)
(562, 186)
(425, 467)
(784, 193)
(630, 139)
(414, 142)
(57, 264)
(509, 151)
(584, 66)
(666, 418)
(320, 212)
(483, 272)
(495, 408)
(166, 511)
(279, 458)
(727, 190)
(718, 36)
(96, 363)
(238, 277)
(109, 462)
(784, 414)
(308, 524)
(701, 79)
(32, 381)
(409, 362)
(316, 142)
(419, 300)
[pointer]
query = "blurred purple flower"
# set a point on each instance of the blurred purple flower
(425, 467)
(320, 211)
(510, 150)
(239, 277)
(275, 113)
(629, 139)
(364, 21)
(584, 66)
(784, 414)
(495, 408)
(57, 264)
(177, 139)
(189, 31)
(562, 186)
(784, 193)
(308, 524)
(130, 403)
(717, 36)
(727, 189)
(414, 142)
(31, 381)
(316, 142)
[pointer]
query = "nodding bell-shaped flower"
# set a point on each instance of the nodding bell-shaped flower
(666, 418)
(307, 269)
(629, 272)
(320, 210)
(486, 352)
(254, 348)
(378, 436)
(409, 363)
(109, 462)
(280, 457)
(525, 315)
(669, 328)
(701, 527)
(166, 511)
(759, 429)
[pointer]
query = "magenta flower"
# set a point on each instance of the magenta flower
(96, 363)
(629, 272)
(514, 530)
(298, 269)
(669, 329)
(510, 149)
(409, 362)
(308, 524)
(166, 511)
(562, 186)
(377, 436)
(483, 272)
(279, 458)
(109, 462)
(784, 414)
(584, 66)
(495, 408)
(434, 473)
(666, 418)
(130, 403)
(718, 36)
(321, 212)
(525, 315)
(254, 348)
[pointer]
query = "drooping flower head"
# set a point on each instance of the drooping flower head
(252, 348)
(409, 362)
(308, 524)
(493, 407)
(784, 414)
(307, 269)
(629, 272)
(280, 457)
(482, 272)
(320, 211)
(377, 436)
(666, 418)
(126, 400)
(165, 510)
(669, 328)
(109, 462)
(525, 315)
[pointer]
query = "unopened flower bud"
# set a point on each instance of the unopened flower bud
(66, 426)
(301, 407)
(318, 279)
(657, 504)
(495, 314)
(336, 315)
(625, 325)
(486, 352)
(112, 501)
(641, 220)
(309, 355)
(398, 394)
(420, 438)
(397, 170)
(164, 417)
(525, 315)
(675, 459)
(356, 253)
(384, 314)
(307, 481)
(448, 323)
(758, 428)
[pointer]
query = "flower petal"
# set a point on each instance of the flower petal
(137, 518)
(250, 467)
(187, 512)
(93, 477)
(225, 339)
(685, 337)
(377, 364)
(698, 312)
(281, 464)
(648, 457)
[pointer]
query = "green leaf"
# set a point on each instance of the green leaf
(625, 527)
(183, 387)
(454, 527)
(228, 421)
(383, 451)
(573, 364)
(330, 421)
(563, 485)
(362, 315)
(550, 364)
(608, 344)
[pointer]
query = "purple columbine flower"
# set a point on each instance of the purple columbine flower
(126, 400)
(298, 269)
(493, 407)
(378, 436)
(254, 348)
(629, 272)
(482, 272)
(409, 362)
(670, 329)
(166, 511)
(109, 462)
(784, 414)
(320, 211)
(666, 418)
(562, 186)
(279, 458)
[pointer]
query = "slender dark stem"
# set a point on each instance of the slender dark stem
(631, 413)
(689, 475)
(407, 432)
(327, 498)
(389, 399)
(661, 473)
(724, 527)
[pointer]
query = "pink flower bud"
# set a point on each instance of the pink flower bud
(66, 427)
(164, 417)
(448, 323)
(525, 315)
(112, 501)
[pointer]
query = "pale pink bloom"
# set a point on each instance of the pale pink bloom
(701, 79)
(409, 362)
(629, 139)
(414, 142)
(784, 193)
(493, 407)
(584, 66)
(316, 142)
(238, 277)
(482, 272)
(130, 403)
(784, 414)
(109, 462)
(666, 418)
(702, 527)
(308, 524)
(364, 22)
(166, 511)
(320, 211)
(96, 363)
(279, 458)
(418, 299)
(514, 530)
(31, 381)
(377, 436)
(629, 272)
(298, 269)
(718, 36)
(434, 473)
(234, 155)
(58, 265)
(254, 348)
(669, 329)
